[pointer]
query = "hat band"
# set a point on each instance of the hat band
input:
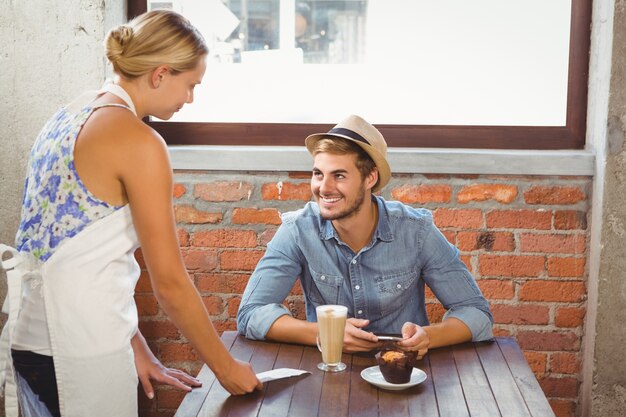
(350, 134)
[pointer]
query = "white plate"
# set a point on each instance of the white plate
(375, 377)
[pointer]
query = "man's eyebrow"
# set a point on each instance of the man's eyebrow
(337, 171)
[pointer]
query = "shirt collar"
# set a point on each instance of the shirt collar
(382, 232)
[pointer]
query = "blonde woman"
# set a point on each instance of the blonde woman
(99, 185)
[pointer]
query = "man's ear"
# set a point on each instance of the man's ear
(371, 179)
(157, 75)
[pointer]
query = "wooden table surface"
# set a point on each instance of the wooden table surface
(472, 379)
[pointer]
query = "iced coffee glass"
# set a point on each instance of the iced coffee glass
(331, 322)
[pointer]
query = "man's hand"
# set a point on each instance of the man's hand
(356, 339)
(415, 338)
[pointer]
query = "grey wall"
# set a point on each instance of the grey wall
(608, 395)
(49, 52)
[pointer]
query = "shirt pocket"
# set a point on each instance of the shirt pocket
(395, 290)
(325, 289)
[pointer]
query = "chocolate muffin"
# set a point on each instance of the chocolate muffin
(396, 366)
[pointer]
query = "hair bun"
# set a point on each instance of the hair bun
(116, 42)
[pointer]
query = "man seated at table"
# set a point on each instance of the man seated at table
(352, 248)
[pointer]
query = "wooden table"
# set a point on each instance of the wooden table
(473, 379)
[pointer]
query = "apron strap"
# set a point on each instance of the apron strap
(11, 306)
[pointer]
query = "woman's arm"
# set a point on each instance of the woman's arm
(146, 175)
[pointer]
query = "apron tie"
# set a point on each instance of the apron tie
(17, 267)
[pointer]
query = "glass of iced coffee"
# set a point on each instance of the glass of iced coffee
(331, 322)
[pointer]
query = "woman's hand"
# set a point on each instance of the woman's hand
(149, 369)
(238, 378)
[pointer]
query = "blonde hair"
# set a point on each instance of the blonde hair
(340, 146)
(158, 37)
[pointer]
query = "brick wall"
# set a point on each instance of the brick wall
(523, 238)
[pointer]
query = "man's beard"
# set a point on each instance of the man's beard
(349, 211)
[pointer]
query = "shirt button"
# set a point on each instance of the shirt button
(360, 311)
(357, 287)
(323, 277)
(354, 261)
(398, 286)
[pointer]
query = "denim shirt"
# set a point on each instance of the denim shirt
(384, 282)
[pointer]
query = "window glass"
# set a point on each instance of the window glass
(448, 62)
(428, 73)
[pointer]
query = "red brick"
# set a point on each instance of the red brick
(190, 215)
(176, 352)
(435, 312)
(146, 305)
(566, 267)
(183, 237)
(530, 242)
(520, 314)
(266, 236)
(519, 219)
(170, 398)
(548, 341)
(422, 194)
(222, 283)
(537, 361)
(450, 237)
(232, 306)
(300, 175)
(223, 191)
(511, 265)
(224, 325)
(256, 216)
(428, 293)
(296, 289)
(156, 329)
(565, 387)
(554, 195)
(569, 317)
(225, 238)
(495, 289)
(240, 260)
(489, 241)
(467, 260)
(564, 363)
(562, 408)
(502, 193)
(179, 190)
(570, 220)
(286, 191)
(501, 332)
(200, 260)
(144, 284)
(214, 304)
(297, 308)
(465, 219)
(139, 258)
(559, 291)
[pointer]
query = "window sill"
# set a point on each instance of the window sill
(402, 160)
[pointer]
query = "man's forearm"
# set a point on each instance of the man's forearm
(449, 332)
(292, 330)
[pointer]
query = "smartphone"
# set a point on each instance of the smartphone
(389, 338)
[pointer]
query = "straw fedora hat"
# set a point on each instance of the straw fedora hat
(357, 130)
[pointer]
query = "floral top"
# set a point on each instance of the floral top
(56, 204)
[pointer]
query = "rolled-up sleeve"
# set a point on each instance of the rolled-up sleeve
(453, 285)
(269, 285)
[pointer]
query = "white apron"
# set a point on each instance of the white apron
(88, 286)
